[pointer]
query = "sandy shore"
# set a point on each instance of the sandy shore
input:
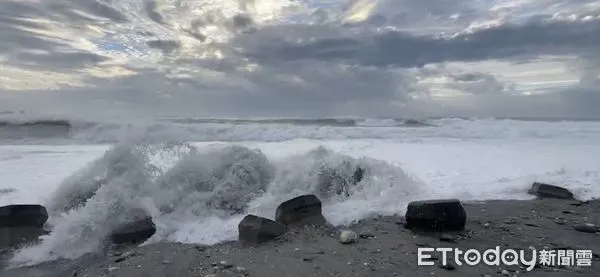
(385, 248)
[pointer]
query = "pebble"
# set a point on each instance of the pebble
(487, 224)
(586, 228)
(447, 238)
(225, 264)
(505, 272)
(347, 237)
(241, 270)
(448, 266)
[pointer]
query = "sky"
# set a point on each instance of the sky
(300, 58)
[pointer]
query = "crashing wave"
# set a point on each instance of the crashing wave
(185, 189)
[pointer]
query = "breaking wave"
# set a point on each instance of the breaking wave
(198, 195)
(270, 130)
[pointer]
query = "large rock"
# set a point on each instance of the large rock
(302, 210)
(550, 191)
(14, 237)
(23, 216)
(254, 229)
(134, 232)
(436, 215)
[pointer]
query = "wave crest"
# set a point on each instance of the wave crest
(187, 189)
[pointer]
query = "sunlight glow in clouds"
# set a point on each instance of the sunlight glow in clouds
(302, 58)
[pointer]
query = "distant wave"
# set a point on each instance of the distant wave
(182, 128)
(213, 129)
(334, 122)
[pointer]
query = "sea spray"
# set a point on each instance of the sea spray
(198, 195)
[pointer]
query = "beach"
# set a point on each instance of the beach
(384, 248)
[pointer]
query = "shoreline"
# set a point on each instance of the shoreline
(384, 248)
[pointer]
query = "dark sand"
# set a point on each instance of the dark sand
(385, 249)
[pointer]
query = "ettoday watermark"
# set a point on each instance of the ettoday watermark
(508, 257)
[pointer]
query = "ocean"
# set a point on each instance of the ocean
(198, 177)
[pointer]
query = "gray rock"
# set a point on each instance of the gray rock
(134, 232)
(13, 237)
(550, 191)
(447, 238)
(348, 236)
(255, 229)
(587, 228)
(302, 210)
(241, 270)
(23, 216)
(436, 215)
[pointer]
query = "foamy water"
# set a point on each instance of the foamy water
(198, 192)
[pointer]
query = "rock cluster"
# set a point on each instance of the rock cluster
(296, 212)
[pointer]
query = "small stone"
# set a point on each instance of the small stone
(139, 266)
(447, 238)
(241, 270)
(166, 262)
(448, 266)
(367, 236)
(505, 272)
(225, 264)
(587, 228)
(347, 237)
(560, 221)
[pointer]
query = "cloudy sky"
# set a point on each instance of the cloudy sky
(301, 58)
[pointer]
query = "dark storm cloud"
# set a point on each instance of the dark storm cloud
(152, 12)
(405, 50)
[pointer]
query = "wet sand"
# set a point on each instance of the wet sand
(384, 248)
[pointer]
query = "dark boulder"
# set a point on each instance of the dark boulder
(302, 210)
(23, 216)
(134, 232)
(436, 215)
(550, 191)
(254, 229)
(14, 237)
